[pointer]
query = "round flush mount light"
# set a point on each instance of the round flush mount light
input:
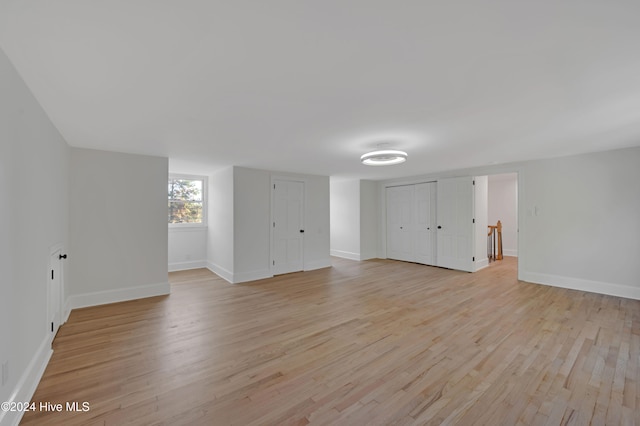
(385, 157)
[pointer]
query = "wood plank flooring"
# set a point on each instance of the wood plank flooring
(361, 343)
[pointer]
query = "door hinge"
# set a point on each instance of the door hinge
(52, 274)
(474, 182)
(474, 220)
(274, 263)
(274, 186)
(473, 258)
(52, 327)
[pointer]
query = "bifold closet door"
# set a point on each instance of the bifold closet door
(425, 227)
(400, 223)
(411, 223)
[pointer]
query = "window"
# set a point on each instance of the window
(186, 200)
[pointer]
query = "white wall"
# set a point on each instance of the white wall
(239, 241)
(354, 219)
(368, 219)
(345, 218)
(580, 221)
(34, 161)
(503, 207)
(585, 232)
(118, 227)
(252, 215)
(481, 189)
(220, 216)
(187, 248)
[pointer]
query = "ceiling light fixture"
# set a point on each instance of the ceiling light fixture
(385, 157)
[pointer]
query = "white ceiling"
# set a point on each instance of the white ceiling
(309, 86)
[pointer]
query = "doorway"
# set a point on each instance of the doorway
(503, 207)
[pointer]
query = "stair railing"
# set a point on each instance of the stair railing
(494, 238)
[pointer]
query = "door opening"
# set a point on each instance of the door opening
(503, 207)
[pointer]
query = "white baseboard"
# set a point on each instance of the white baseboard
(481, 264)
(66, 312)
(512, 253)
(220, 271)
(116, 295)
(317, 264)
(183, 266)
(243, 277)
(582, 284)
(26, 386)
(346, 254)
(260, 274)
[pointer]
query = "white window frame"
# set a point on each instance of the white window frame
(204, 201)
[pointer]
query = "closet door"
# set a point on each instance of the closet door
(455, 223)
(400, 212)
(425, 226)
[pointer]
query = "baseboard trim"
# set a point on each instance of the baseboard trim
(346, 254)
(317, 264)
(184, 266)
(116, 295)
(28, 383)
(599, 287)
(512, 253)
(67, 311)
(243, 277)
(481, 264)
(220, 271)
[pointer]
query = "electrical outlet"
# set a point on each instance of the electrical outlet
(5, 372)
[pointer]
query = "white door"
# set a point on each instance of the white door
(54, 292)
(288, 226)
(455, 223)
(400, 211)
(425, 223)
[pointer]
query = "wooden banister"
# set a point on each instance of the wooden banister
(495, 237)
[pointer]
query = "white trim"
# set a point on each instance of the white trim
(317, 264)
(510, 252)
(205, 208)
(62, 318)
(243, 277)
(26, 386)
(220, 271)
(582, 284)
(183, 266)
(481, 264)
(117, 295)
(187, 227)
(346, 254)
(67, 311)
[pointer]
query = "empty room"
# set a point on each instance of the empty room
(323, 213)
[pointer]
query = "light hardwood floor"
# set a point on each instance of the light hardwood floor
(375, 342)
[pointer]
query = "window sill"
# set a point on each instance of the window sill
(187, 228)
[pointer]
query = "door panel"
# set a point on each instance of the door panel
(400, 223)
(425, 213)
(288, 221)
(455, 223)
